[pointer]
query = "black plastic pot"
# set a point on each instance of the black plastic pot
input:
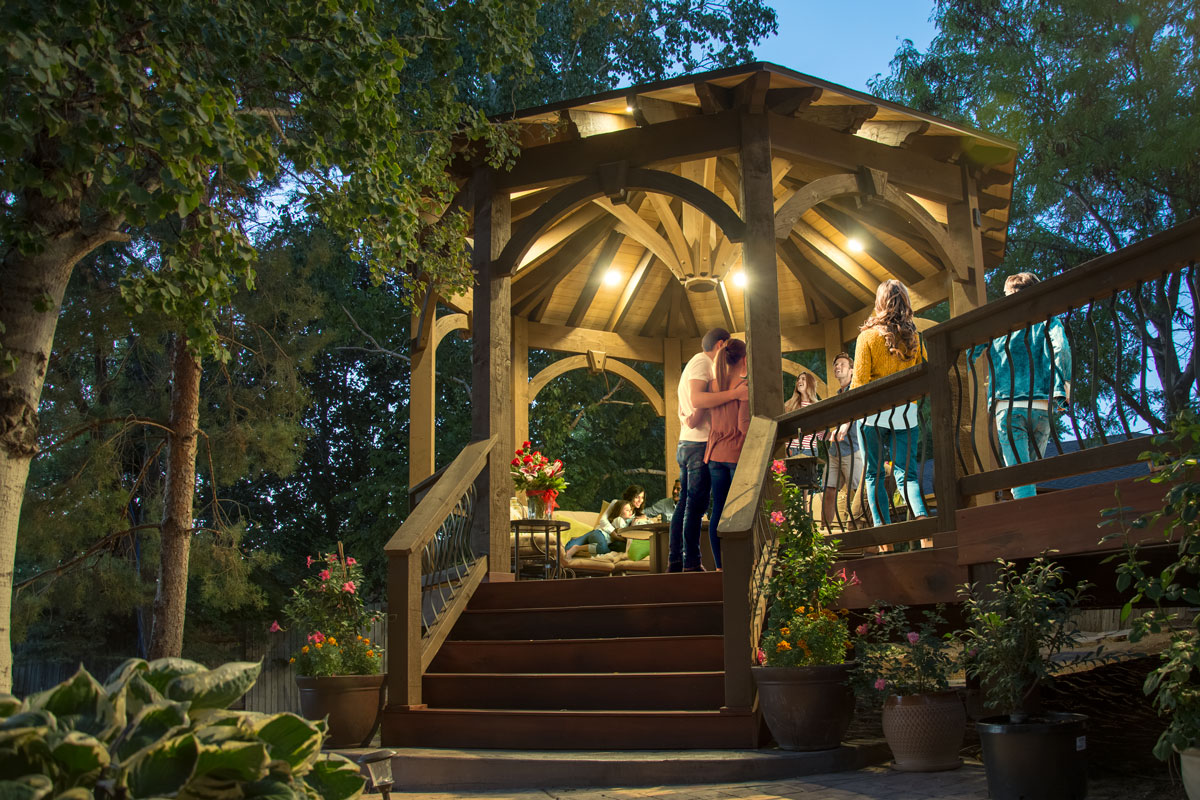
(1044, 758)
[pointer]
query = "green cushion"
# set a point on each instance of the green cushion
(637, 549)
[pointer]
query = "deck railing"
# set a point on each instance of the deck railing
(432, 572)
(1119, 316)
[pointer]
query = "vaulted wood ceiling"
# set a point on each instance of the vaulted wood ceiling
(643, 263)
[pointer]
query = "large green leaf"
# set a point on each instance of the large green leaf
(9, 705)
(216, 688)
(159, 721)
(30, 719)
(80, 703)
(25, 751)
(273, 788)
(163, 768)
(75, 793)
(81, 756)
(335, 778)
(292, 739)
(241, 761)
(121, 675)
(162, 671)
(139, 693)
(29, 787)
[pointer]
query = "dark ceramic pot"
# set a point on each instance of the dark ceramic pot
(1044, 758)
(351, 702)
(806, 708)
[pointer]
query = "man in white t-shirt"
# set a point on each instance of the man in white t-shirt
(684, 550)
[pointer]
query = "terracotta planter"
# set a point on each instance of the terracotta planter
(806, 708)
(925, 731)
(1189, 769)
(351, 702)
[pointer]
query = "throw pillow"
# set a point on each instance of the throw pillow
(637, 549)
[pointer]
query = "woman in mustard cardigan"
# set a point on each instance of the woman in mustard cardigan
(888, 343)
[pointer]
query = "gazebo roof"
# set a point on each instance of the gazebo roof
(671, 269)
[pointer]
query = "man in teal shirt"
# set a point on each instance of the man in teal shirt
(1030, 375)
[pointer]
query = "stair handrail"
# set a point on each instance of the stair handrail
(747, 547)
(432, 572)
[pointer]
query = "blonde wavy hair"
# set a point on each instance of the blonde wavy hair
(893, 318)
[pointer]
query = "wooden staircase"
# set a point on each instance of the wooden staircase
(629, 663)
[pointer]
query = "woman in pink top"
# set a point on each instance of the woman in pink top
(727, 434)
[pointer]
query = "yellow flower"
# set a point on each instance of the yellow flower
(785, 630)
(844, 611)
(292, 660)
(332, 640)
(366, 641)
(800, 610)
(782, 645)
(304, 649)
(318, 645)
(360, 637)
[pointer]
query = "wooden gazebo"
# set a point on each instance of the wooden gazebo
(755, 198)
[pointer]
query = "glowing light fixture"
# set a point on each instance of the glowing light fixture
(739, 279)
(854, 245)
(612, 277)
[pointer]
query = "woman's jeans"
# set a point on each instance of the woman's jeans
(901, 447)
(720, 475)
(595, 537)
(1016, 426)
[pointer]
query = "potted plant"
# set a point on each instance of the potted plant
(908, 667)
(338, 666)
(1175, 683)
(539, 478)
(1016, 625)
(803, 678)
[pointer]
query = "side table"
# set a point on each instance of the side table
(541, 555)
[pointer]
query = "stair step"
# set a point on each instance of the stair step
(443, 770)
(626, 589)
(633, 691)
(568, 730)
(632, 654)
(600, 621)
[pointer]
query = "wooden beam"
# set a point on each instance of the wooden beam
(632, 287)
(603, 261)
(810, 142)
(892, 133)
(877, 250)
(844, 119)
(787, 101)
(670, 225)
(688, 314)
(751, 94)
(664, 143)
(651, 111)
(915, 578)
(801, 260)
(726, 307)
(533, 283)
(759, 263)
(849, 267)
(580, 340)
(713, 98)
(886, 220)
(660, 316)
(811, 297)
(926, 294)
(638, 229)
(562, 231)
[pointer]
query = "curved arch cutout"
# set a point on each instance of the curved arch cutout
(588, 189)
(829, 187)
(539, 381)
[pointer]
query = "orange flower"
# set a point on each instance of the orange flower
(782, 645)
(292, 660)
(304, 649)
(785, 630)
(370, 654)
(318, 645)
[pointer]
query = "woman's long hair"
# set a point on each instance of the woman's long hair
(893, 318)
(732, 354)
(804, 393)
(631, 493)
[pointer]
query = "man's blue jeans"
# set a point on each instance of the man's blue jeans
(720, 475)
(595, 537)
(683, 551)
(1015, 428)
(901, 446)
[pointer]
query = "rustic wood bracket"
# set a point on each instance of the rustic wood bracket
(421, 331)
(595, 360)
(614, 178)
(788, 101)
(751, 94)
(871, 182)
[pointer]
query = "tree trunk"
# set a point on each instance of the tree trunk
(30, 300)
(170, 601)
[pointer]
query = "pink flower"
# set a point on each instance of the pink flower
(880, 684)
(348, 587)
(913, 637)
(310, 560)
(879, 619)
(316, 637)
(760, 657)
(854, 581)
(324, 575)
(275, 627)
(778, 467)
(350, 562)
(776, 518)
(861, 630)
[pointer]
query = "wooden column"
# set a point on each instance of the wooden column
(963, 222)
(833, 346)
(759, 264)
(520, 378)
(491, 373)
(672, 371)
(421, 405)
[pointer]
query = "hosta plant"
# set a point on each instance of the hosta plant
(161, 729)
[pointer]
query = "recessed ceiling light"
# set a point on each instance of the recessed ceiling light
(739, 279)
(612, 277)
(854, 244)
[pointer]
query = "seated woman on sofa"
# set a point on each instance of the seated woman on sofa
(636, 497)
(605, 537)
